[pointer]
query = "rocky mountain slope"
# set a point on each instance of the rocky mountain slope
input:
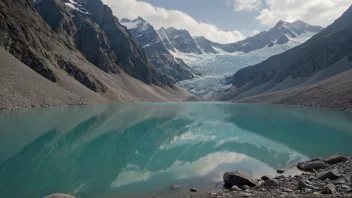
(159, 56)
(180, 40)
(110, 43)
(325, 55)
(76, 52)
(282, 33)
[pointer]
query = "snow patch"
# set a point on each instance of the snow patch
(76, 6)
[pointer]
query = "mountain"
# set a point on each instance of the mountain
(180, 40)
(110, 43)
(311, 68)
(282, 33)
(158, 55)
(206, 45)
(80, 48)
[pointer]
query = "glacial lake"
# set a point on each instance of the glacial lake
(140, 150)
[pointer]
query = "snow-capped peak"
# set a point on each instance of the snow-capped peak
(76, 5)
(139, 23)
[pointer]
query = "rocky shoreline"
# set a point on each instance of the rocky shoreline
(328, 177)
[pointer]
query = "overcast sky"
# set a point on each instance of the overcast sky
(228, 20)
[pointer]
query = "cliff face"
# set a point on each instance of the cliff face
(179, 39)
(78, 29)
(158, 55)
(97, 33)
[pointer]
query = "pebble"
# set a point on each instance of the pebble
(194, 190)
(245, 187)
(280, 171)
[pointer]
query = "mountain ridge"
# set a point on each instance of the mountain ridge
(280, 34)
(302, 69)
(159, 56)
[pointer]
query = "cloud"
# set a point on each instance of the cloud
(249, 33)
(160, 17)
(315, 12)
(247, 5)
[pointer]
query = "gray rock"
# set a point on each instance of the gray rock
(288, 190)
(303, 184)
(194, 190)
(242, 194)
(334, 159)
(264, 178)
(349, 190)
(245, 187)
(329, 189)
(332, 174)
(238, 178)
(314, 164)
(345, 186)
(280, 171)
(235, 188)
(271, 182)
(338, 182)
(351, 178)
(174, 187)
(291, 196)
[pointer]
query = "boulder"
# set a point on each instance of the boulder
(329, 189)
(334, 159)
(280, 171)
(59, 196)
(314, 164)
(332, 175)
(238, 178)
(264, 178)
(271, 182)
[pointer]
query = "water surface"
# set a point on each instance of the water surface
(136, 150)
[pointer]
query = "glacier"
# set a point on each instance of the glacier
(212, 69)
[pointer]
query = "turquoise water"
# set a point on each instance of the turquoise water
(141, 149)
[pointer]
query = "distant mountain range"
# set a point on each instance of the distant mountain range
(316, 73)
(282, 33)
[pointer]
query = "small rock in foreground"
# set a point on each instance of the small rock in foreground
(329, 189)
(235, 188)
(264, 178)
(280, 171)
(334, 159)
(332, 174)
(314, 164)
(238, 178)
(271, 182)
(194, 190)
